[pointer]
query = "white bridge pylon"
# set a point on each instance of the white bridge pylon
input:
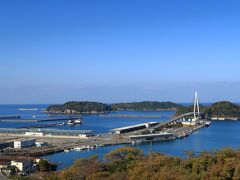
(196, 107)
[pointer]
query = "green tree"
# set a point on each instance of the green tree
(120, 159)
(45, 166)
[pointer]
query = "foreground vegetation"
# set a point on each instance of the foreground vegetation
(131, 164)
(222, 109)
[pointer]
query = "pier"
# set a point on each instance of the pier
(40, 126)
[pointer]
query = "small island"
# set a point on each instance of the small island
(223, 110)
(79, 107)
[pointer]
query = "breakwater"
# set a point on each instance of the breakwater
(10, 117)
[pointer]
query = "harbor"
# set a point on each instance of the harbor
(53, 139)
(60, 141)
(77, 140)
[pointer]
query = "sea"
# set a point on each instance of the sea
(221, 134)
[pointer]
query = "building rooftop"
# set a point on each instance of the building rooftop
(151, 135)
(132, 126)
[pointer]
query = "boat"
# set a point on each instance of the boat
(74, 122)
(77, 149)
(70, 122)
(66, 151)
(61, 124)
(78, 121)
(80, 148)
(98, 145)
(93, 147)
(207, 123)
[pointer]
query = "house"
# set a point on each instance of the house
(22, 165)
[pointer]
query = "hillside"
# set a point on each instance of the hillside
(146, 105)
(79, 107)
(131, 164)
(218, 110)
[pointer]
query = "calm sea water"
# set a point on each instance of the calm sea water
(219, 135)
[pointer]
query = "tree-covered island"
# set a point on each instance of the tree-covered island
(146, 106)
(217, 111)
(80, 107)
(85, 107)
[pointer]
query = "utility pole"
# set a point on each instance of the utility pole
(150, 158)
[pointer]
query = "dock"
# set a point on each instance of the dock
(61, 143)
(40, 126)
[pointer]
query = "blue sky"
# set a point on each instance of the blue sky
(119, 51)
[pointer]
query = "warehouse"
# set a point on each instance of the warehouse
(24, 143)
(133, 128)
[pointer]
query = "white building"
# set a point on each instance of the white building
(189, 123)
(133, 128)
(22, 165)
(40, 143)
(34, 134)
(24, 143)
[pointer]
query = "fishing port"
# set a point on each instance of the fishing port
(44, 137)
(57, 140)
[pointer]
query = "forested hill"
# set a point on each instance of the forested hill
(85, 107)
(218, 110)
(146, 105)
(80, 107)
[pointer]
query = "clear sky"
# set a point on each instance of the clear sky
(52, 51)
